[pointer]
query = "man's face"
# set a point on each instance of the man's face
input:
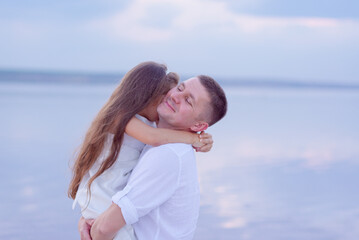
(184, 106)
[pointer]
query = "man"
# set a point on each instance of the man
(161, 199)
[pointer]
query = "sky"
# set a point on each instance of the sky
(315, 41)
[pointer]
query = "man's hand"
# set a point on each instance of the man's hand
(84, 227)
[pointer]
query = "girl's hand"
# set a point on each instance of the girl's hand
(84, 227)
(205, 142)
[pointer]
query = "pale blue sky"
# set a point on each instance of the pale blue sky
(300, 40)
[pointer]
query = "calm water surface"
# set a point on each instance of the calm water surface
(284, 165)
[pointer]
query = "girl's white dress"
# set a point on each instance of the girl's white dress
(111, 181)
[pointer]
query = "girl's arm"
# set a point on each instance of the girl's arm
(158, 136)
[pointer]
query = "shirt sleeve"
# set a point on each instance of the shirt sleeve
(152, 182)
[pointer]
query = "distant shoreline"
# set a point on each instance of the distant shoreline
(40, 77)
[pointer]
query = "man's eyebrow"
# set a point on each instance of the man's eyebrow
(190, 93)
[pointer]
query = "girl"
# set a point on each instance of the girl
(117, 135)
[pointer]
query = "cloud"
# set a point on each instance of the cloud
(130, 23)
(193, 16)
(30, 207)
(18, 30)
(191, 36)
(27, 192)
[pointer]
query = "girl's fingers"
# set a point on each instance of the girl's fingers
(207, 141)
(90, 221)
(205, 135)
(205, 148)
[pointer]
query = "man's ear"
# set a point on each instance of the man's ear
(199, 126)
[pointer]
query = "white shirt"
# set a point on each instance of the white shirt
(161, 199)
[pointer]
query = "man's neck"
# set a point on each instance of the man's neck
(164, 124)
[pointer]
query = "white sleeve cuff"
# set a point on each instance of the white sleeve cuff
(128, 210)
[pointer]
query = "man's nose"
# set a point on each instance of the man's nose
(176, 97)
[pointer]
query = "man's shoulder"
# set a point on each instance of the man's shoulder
(167, 156)
(178, 149)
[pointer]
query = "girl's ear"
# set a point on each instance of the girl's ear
(199, 126)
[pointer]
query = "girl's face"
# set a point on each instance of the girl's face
(151, 109)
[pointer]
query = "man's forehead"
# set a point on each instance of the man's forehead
(196, 88)
(191, 83)
(191, 79)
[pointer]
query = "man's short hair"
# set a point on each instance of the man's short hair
(217, 96)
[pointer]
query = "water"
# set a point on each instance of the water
(284, 164)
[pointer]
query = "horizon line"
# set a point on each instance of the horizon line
(82, 77)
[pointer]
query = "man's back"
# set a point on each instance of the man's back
(161, 199)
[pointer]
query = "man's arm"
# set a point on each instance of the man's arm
(152, 182)
(108, 223)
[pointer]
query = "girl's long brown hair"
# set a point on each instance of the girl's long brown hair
(143, 84)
